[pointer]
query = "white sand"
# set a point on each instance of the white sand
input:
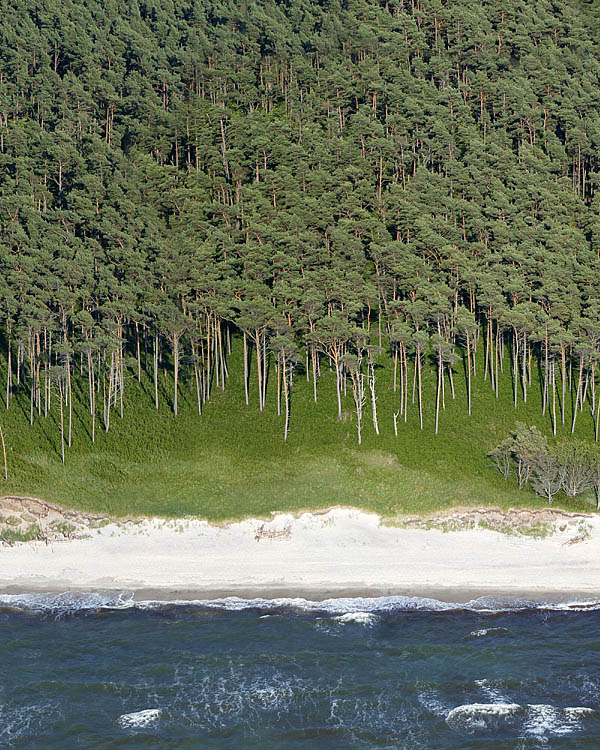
(341, 552)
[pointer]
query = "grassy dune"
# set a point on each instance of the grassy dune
(232, 461)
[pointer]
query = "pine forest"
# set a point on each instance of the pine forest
(371, 223)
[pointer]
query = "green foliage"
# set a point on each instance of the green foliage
(231, 461)
(576, 460)
(11, 536)
(405, 194)
(571, 465)
(528, 444)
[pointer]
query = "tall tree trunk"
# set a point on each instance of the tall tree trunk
(418, 358)
(515, 367)
(399, 358)
(468, 373)
(597, 419)
(438, 390)
(4, 454)
(338, 388)
(92, 395)
(208, 358)
(414, 383)
(221, 355)
(155, 353)
(278, 368)
(286, 396)
(546, 391)
(577, 393)
(110, 394)
(314, 356)
(405, 355)
(265, 362)
(196, 376)
(138, 352)
(563, 374)
(487, 350)
(62, 421)
(70, 397)
(9, 370)
(358, 392)
(553, 375)
(215, 347)
(593, 387)
(498, 356)
(176, 367)
(121, 381)
(32, 376)
(373, 397)
(524, 368)
(259, 370)
(246, 367)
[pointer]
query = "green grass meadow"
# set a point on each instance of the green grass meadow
(231, 462)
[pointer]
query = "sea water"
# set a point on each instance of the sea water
(88, 671)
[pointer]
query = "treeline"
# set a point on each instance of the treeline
(326, 180)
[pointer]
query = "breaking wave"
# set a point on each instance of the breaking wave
(360, 618)
(531, 720)
(140, 719)
(353, 609)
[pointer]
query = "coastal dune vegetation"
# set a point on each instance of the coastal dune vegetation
(287, 255)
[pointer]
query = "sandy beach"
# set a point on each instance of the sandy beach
(340, 552)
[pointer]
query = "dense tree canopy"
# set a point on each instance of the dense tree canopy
(325, 179)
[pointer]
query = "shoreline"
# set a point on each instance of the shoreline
(459, 595)
(340, 553)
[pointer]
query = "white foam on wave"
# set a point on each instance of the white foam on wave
(67, 602)
(482, 710)
(140, 719)
(533, 720)
(580, 711)
(215, 701)
(376, 605)
(360, 618)
(271, 696)
(543, 719)
(18, 722)
(348, 605)
(492, 690)
(431, 701)
(487, 631)
(578, 605)
(72, 602)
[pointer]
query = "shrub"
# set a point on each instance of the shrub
(572, 466)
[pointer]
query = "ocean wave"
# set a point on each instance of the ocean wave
(487, 631)
(140, 719)
(493, 690)
(474, 717)
(240, 695)
(359, 607)
(18, 722)
(65, 603)
(532, 720)
(360, 618)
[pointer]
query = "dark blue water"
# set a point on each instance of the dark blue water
(82, 672)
